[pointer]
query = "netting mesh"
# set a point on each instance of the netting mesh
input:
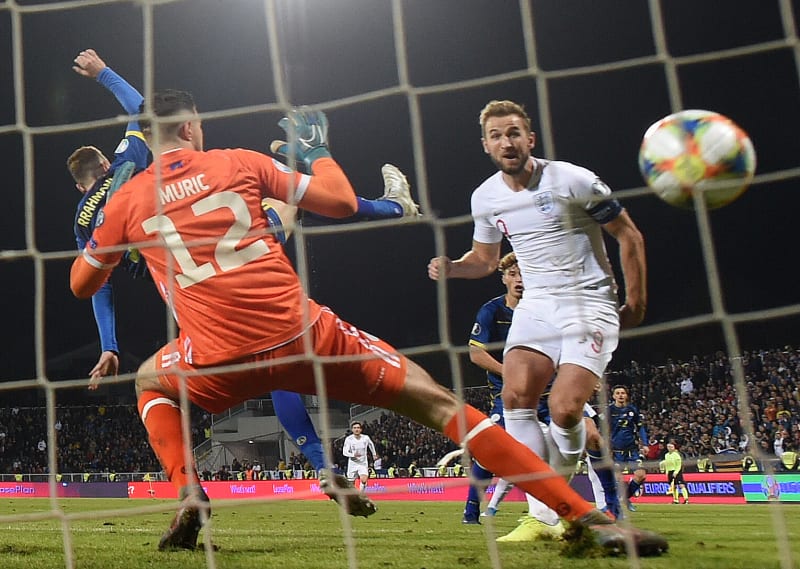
(402, 82)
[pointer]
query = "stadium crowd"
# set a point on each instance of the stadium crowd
(693, 402)
(96, 438)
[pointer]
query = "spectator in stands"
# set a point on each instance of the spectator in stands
(789, 458)
(770, 411)
(777, 444)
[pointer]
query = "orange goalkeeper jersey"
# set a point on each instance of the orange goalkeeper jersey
(203, 234)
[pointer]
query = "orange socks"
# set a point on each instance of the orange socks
(162, 419)
(500, 453)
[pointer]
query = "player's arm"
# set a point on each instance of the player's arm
(94, 265)
(103, 309)
(479, 337)
(478, 262)
(327, 191)
(89, 64)
(347, 450)
(643, 438)
(88, 275)
(634, 268)
(483, 359)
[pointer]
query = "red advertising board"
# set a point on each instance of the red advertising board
(711, 488)
(420, 489)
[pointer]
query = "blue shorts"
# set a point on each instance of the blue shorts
(628, 458)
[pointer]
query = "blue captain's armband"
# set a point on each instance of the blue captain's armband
(606, 211)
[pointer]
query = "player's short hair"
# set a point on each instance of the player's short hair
(620, 386)
(504, 108)
(354, 423)
(86, 163)
(508, 261)
(168, 103)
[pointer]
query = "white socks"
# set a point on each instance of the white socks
(523, 425)
(569, 444)
(597, 487)
(500, 490)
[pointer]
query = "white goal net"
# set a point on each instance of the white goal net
(403, 81)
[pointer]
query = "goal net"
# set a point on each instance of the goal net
(403, 82)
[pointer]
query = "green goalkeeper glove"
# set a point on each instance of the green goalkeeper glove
(307, 131)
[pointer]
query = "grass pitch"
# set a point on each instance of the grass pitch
(407, 535)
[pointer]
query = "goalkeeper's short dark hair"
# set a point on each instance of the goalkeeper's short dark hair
(167, 103)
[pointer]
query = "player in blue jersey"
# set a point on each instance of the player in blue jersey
(626, 425)
(601, 469)
(491, 327)
(94, 176)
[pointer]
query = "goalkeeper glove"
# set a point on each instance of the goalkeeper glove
(307, 131)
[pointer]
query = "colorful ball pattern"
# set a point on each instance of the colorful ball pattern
(696, 151)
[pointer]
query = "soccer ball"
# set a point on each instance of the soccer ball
(697, 151)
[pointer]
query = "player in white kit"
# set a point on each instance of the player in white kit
(355, 449)
(553, 214)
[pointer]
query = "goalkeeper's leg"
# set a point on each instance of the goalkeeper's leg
(161, 416)
(427, 402)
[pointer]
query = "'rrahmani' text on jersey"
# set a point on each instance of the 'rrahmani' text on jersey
(553, 225)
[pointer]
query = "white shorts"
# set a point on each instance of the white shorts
(580, 328)
(355, 469)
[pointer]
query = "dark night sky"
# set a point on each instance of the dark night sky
(376, 278)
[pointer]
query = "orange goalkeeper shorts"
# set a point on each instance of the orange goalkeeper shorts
(354, 366)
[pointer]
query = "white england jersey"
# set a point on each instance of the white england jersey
(557, 242)
(356, 449)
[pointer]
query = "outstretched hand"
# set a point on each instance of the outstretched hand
(439, 268)
(88, 64)
(630, 316)
(108, 364)
(307, 131)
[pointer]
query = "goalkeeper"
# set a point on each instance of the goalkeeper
(233, 347)
(96, 178)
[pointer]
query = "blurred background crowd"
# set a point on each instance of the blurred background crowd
(693, 402)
